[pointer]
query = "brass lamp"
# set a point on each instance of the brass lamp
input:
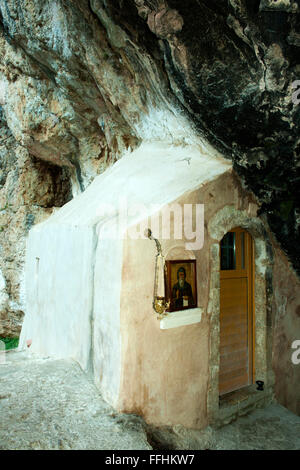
(160, 305)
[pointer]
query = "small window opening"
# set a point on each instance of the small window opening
(228, 253)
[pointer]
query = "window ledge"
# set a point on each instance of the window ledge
(181, 318)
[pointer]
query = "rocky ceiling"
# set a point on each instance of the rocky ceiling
(82, 80)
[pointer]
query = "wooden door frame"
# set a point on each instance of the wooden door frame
(221, 223)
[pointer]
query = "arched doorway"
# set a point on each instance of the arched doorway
(236, 368)
(222, 222)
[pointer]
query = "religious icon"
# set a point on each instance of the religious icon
(181, 287)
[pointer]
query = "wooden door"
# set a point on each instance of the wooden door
(236, 311)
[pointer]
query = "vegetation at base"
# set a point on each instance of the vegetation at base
(10, 343)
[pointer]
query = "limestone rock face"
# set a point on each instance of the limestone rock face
(83, 80)
(29, 189)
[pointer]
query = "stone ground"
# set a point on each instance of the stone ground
(270, 428)
(52, 404)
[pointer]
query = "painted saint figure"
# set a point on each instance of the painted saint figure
(182, 295)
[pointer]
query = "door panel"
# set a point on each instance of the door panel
(235, 313)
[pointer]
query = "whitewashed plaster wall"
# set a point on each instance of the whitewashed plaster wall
(106, 339)
(59, 283)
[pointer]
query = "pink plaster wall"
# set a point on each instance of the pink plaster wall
(164, 371)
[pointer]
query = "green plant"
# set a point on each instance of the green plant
(10, 343)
